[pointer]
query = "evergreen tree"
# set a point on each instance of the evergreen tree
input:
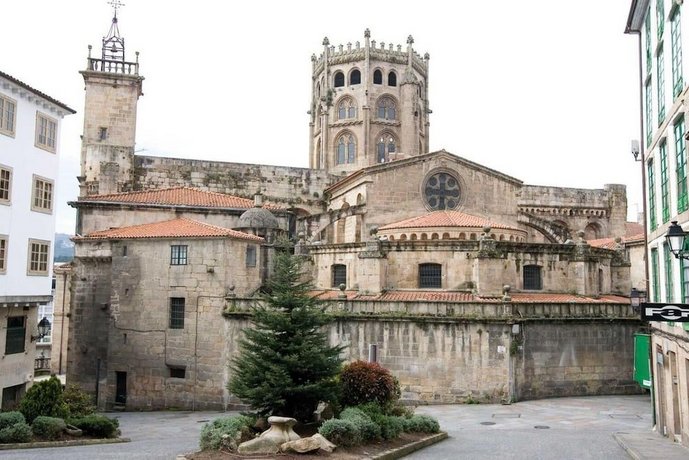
(286, 366)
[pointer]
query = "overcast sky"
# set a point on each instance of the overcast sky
(545, 91)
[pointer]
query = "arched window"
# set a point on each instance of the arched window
(377, 77)
(346, 109)
(386, 109)
(532, 277)
(392, 79)
(346, 149)
(430, 276)
(339, 275)
(355, 77)
(318, 92)
(339, 79)
(386, 145)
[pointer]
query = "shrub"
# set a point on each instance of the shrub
(390, 427)
(421, 424)
(78, 402)
(43, 398)
(341, 432)
(8, 419)
(226, 432)
(19, 432)
(97, 426)
(362, 382)
(48, 427)
(368, 429)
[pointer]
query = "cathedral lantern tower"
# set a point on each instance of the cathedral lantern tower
(113, 86)
(369, 105)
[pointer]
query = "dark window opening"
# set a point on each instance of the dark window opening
(124, 251)
(430, 275)
(339, 275)
(339, 80)
(177, 372)
(16, 335)
(176, 312)
(355, 77)
(102, 133)
(532, 277)
(377, 77)
(392, 79)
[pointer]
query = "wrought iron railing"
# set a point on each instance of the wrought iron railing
(41, 364)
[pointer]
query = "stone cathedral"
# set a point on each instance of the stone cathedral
(470, 283)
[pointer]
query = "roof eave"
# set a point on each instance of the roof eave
(635, 19)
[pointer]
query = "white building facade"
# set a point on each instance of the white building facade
(29, 148)
(662, 27)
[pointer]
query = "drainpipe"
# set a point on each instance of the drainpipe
(642, 152)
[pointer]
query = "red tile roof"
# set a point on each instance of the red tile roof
(609, 243)
(633, 228)
(176, 228)
(445, 219)
(466, 297)
(178, 196)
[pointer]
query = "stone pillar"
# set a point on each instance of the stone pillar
(373, 264)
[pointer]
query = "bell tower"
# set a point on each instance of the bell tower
(369, 105)
(113, 86)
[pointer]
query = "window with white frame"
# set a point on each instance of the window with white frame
(42, 195)
(38, 257)
(46, 311)
(8, 115)
(46, 132)
(5, 184)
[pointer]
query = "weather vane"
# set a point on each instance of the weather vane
(115, 5)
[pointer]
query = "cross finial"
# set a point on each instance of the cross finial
(116, 4)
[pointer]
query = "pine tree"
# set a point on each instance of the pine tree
(285, 365)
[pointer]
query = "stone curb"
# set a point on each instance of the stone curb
(631, 452)
(400, 452)
(69, 443)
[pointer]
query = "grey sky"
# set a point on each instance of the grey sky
(544, 91)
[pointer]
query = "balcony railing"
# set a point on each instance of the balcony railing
(106, 65)
(41, 364)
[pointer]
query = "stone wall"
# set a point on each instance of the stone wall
(287, 186)
(574, 358)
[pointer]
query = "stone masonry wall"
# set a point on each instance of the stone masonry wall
(572, 358)
(288, 186)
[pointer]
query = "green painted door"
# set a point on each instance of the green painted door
(642, 369)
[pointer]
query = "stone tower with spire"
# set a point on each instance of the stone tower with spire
(113, 86)
(369, 105)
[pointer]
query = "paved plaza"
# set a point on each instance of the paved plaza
(564, 428)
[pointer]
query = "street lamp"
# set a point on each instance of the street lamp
(636, 298)
(43, 329)
(675, 239)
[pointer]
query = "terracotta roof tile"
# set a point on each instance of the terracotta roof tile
(179, 196)
(445, 219)
(609, 243)
(176, 228)
(466, 297)
(633, 228)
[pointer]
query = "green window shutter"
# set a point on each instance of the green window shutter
(676, 44)
(649, 112)
(647, 35)
(681, 166)
(660, 18)
(664, 183)
(655, 275)
(660, 73)
(652, 197)
(667, 259)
